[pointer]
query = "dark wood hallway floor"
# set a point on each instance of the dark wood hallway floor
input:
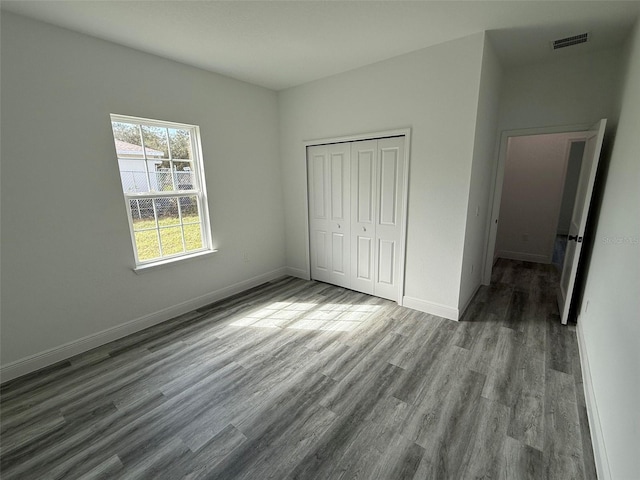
(304, 380)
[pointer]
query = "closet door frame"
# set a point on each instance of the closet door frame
(402, 132)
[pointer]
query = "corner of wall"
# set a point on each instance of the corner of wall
(481, 174)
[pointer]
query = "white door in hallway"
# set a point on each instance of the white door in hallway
(356, 208)
(584, 193)
(329, 213)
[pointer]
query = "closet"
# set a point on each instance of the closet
(356, 203)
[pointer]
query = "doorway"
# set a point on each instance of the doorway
(536, 173)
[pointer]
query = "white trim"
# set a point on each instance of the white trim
(298, 273)
(498, 180)
(433, 308)
(168, 261)
(524, 257)
(400, 132)
(53, 355)
(597, 437)
(117, 117)
(405, 217)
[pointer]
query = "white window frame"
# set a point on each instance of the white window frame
(199, 191)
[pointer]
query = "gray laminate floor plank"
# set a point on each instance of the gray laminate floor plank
(563, 458)
(298, 379)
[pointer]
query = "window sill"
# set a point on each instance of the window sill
(147, 267)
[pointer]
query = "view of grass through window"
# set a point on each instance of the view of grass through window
(170, 236)
(159, 174)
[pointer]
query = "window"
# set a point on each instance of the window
(163, 184)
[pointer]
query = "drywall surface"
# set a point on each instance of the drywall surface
(67, 256)
(433, 91)
(575, 90)
(570, 187)
(610, 312)
(484, 155)
(534, 175)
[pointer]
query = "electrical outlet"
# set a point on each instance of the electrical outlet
(245, 257)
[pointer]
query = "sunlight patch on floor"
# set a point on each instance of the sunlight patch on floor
(340, 317)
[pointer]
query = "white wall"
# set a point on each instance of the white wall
(570, 189)
(435, 92)
(573, 90)
(610, 324)
(484, 154)
(66, 249)
(534, 177)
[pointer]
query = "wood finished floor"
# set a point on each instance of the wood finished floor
(303, 380)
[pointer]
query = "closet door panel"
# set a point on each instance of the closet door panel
(364, 159)
(339, 188)
(321, 251)
(317, 168)
(364, 185)
(318, 180)
(328, 169)
(338, 253)
(388, 187)
(319, 233)
(390, 173)
(386, 262)
(364, 253)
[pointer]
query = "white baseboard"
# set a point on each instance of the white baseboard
(597, 439)
(524, 257)
(430, 307)
(49, 357)
(298, 273)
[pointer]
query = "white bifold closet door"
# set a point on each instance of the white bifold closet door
(329, 213)
(355, 212)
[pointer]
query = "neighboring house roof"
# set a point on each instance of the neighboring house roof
(124, 148)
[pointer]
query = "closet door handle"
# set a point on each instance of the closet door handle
(575, 238)
(364, 229)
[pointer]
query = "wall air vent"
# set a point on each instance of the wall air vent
(570, 41)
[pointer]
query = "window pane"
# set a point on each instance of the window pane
(184, 176)
(133, 176)
(189, 210)
(147, 245)
(127, 140)
(171, 239)
(161, 179)
(167, 210)
(180, 143)
(155, 142)
(142, 214)
(192, 237)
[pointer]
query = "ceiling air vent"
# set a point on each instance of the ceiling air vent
(570, 41)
